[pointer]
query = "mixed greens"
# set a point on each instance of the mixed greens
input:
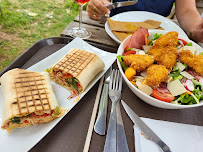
(156, 36)
(194, 89)
(188, 79)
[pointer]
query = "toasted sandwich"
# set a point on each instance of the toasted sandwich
(28, 99)
(76, 70)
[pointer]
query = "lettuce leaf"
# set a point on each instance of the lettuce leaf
(156, 36)
(123, 65)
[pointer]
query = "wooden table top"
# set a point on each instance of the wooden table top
(99, 34)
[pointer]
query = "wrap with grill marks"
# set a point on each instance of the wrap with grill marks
(76, 70)
(28, 99)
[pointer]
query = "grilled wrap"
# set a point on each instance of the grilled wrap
(28, 99)
(76, 69)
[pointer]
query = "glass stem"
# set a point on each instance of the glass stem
(80, 16)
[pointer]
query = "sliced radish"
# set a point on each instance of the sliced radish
(189, 85)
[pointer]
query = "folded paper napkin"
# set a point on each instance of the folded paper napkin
(179, 137)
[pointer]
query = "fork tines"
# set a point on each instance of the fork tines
(116, 80)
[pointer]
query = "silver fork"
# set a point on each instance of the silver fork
(115, 87)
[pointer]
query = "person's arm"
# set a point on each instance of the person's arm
(190, 19)
(96, 8)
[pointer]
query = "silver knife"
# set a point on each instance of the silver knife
(148, 133)
(120, 4)
(122, 145)
(100, 124)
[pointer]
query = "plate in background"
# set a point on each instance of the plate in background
(140, 16)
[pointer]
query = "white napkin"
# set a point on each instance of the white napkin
(179, 137)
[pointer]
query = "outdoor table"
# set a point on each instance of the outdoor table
(70, 133)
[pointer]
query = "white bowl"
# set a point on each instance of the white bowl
(148, 99)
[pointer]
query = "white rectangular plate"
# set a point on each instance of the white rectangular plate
(23, 139)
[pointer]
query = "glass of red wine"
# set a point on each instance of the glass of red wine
(80, 31)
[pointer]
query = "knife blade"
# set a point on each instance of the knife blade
(120, 4)
(148, 133)
(100, 124)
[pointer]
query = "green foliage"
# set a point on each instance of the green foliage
(50, 20)
(71, 4)
(12, 19)
(175, 74)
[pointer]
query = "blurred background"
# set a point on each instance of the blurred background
(24, 22)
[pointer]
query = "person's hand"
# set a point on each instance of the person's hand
(96, 8)
(197, 31)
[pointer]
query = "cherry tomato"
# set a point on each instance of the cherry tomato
(184, 42)
(167, 97)
(26, 121)
(130, 52)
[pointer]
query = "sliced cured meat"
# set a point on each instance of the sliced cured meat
(137, 39)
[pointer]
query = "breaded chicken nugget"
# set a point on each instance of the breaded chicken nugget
(193, 61)
(138, 62)
(164, 50)
(166, 56)
(168, 39)
(155, 75)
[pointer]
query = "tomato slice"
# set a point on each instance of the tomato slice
(130, 52)
(184, 42)
(45, 115)
(167, 97)
(67, 75)
(32, 115)
(78, 85)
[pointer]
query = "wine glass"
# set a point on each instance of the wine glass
(80, 31)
